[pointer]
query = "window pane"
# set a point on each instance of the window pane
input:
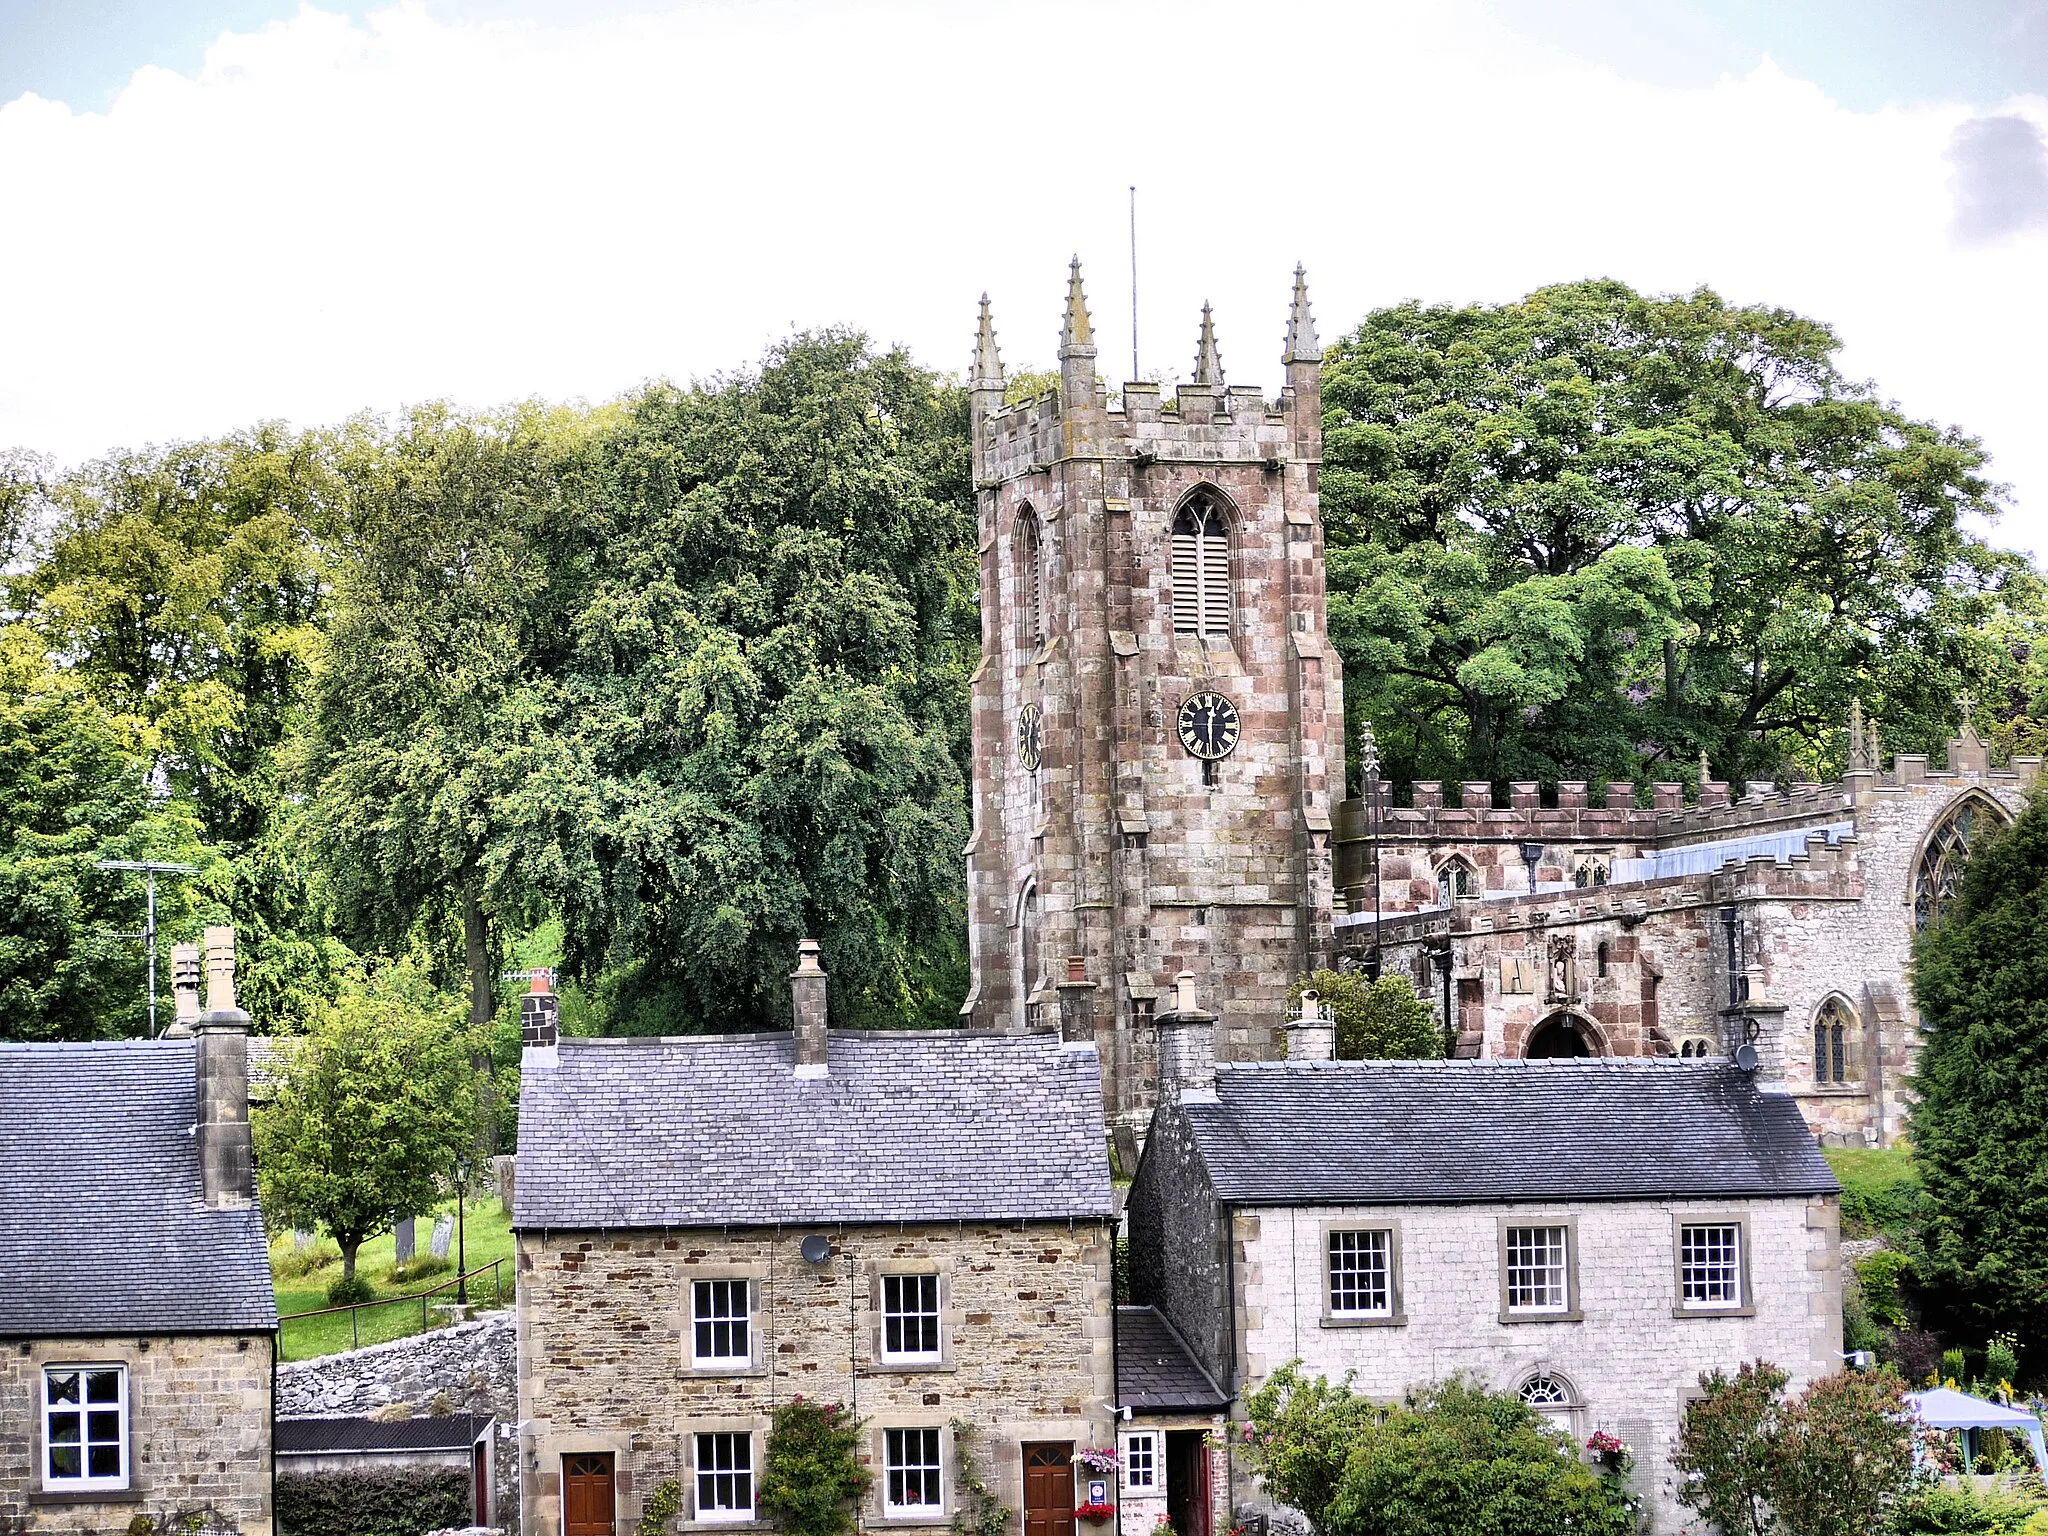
(1710, 1265)
(64, 1428)
(1536, 1278)
(104, 1461)
(64, 1461)
(1358, 1273)
(103, 1386)
(62, 1386)
(103, 1425)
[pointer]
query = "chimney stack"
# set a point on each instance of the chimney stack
(1313, 1035)
(807, 1010)
(540, 1022)
(227, 1159)
(1077, 1003)
(185, 989)
(1187, 1046)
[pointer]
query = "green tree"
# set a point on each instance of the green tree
(1786, 541)
(1458, 1458)
(372, 1114)
(1980, 1119)
(766, 591)
(1299, 1433)
(812, 1469)
(1376, 1020)
(76, 788)
(1726, 1456)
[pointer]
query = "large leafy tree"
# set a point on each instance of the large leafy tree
(760, 671)
(373, 1113)
(75, 789)
(1592, 531)
(1980, 1122)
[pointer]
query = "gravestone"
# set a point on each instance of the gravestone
(444, 1234)
(402, 1237)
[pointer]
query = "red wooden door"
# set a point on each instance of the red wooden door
(587, 1494)
(1049, 1490)
(479, 1484)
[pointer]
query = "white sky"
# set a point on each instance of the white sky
(336, 214)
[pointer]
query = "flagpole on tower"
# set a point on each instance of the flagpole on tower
(1134, 285)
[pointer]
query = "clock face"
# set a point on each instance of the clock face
(1209, 726)
(1030, 736)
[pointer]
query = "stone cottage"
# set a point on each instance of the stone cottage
(1588, 1235)
(914, 1224)
(137, 1323)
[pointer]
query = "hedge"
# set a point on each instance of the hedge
(386, 1501)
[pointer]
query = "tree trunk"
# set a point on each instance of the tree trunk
(348, 1257)
(476, 935)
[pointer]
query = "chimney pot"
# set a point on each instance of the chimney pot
(1312, 1036)
(540, 1021)
(807, 1010)
(185, 969)
(220, 969)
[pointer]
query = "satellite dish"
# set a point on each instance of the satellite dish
(1746, 1057)
(817, 1248)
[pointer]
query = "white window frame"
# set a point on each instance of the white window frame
(743, 1320)
(932, 1473)
(1682, 1305)
(1372, 1243)
(1565, 1306)
(710, 1475)
(1141, 1461)
(1562, 1412)
(936, 1314)
(85, 1482)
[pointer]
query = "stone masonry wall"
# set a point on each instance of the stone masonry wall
(469, 1368)
(1176, 1243)
(198, 1431)
(1632, 1363)
(604, 1362)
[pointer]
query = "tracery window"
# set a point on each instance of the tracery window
(1833, 1029)
(1695, 1046)
(1456, 880)
(1948, 848)
(1201, 568)
(1030, 581)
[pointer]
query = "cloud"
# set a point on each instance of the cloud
(333, 214)
(2000, 177)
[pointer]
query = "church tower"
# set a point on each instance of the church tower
(1158, 714)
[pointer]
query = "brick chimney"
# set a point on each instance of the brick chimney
(807, 1010)
(1187, 1046)
(540, 1022)
(185, 968)
(1312, 1035)
(227, 1159)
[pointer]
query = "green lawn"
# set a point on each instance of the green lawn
(1880, 1190)
(487, 1236)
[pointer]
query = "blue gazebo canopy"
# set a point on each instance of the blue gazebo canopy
(1946, 1408)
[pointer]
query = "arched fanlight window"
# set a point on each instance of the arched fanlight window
(1456, 880)
(1030, 581)
(1834, 1029)
(1548, 1398)
(1201, 567)
(1940, 869)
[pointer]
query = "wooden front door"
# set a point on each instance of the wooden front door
(1049, 1490)
(587, 1494)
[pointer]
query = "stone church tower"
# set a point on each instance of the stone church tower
(1158, 715)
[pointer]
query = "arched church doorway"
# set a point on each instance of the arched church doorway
(1557, 1038)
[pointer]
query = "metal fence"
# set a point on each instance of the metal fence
(467, 1284)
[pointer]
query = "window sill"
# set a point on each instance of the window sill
(1342, 1320)
(887, 1367)
(1838, 1091)
(1573, 1316)
(1708, 1314)
(905, 1517)
(723, 1368)
(87, 1496)
(749, 1522)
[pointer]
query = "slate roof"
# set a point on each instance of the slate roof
(314, 1437)
(1155, 1371)
(908, 1125)
(102, 1225)
(1451, 1132)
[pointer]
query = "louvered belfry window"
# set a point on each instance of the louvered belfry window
(1201, 569)
(1030, 580)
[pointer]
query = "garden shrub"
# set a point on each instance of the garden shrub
(662, 1505)
(390, 1501)
(1881, 1278)
(349, 1290)
(812, 1471)
(1955, 1366)
(301, 1262)
(2002, 1360)
(1914, 1353)
(1946, 1510)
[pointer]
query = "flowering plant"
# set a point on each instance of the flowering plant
(1602, 1443)
(1098, 1458)
(1093, 1511)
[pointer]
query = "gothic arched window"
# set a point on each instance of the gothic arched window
(1030, 581)
(1456, 880)
(1201, 567)
(1695, 1046)
(1940, 869)
(1834, 1028)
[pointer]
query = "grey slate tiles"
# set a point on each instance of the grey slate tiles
(1155, 1372)
(1452, 1132)
(102, 1224)
(714, 1130)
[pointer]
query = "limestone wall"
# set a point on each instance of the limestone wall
(1632, 1362)
(604, 1362)
(198, 1431)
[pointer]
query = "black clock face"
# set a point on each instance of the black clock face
(1209, 726)
(1030, 736)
